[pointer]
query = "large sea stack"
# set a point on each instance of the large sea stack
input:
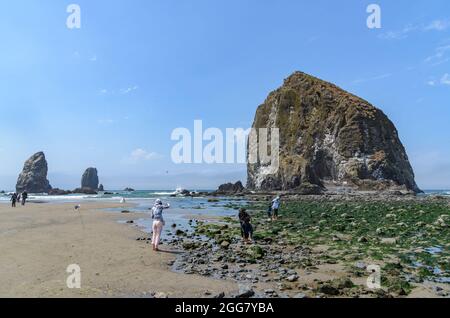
(329, 138)
(89, 179)
(33, 177)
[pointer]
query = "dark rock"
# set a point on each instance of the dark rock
(245, 292)
(56, 191)
(230, 188)
(180, 232)
(329, 138)
(129, 190)
(89, 180)
(33, 178)
(328, 289)
(101, 188)
(85, 191)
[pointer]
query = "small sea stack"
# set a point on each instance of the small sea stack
(33, 178)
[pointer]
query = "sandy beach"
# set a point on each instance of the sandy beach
(39, 241)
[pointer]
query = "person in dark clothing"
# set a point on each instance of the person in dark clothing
(14, 200)
(24, 197)
(246, 226)
(269, 212)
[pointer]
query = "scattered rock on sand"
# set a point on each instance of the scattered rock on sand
(245, 291)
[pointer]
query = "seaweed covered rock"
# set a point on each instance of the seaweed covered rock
(329, 138)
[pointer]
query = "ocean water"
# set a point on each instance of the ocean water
(135, 196)
(182, 209)
(141, 195)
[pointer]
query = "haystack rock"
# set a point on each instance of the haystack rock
(33, 178)
(89, 179)
(329, 139)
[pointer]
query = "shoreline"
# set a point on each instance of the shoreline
(39, 241)
(198, 257)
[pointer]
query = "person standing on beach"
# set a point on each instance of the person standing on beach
(246, 226)
(275, 207)
(158, 222)
(24, 197)
(14, 200)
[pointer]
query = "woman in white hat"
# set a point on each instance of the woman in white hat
(158, 222)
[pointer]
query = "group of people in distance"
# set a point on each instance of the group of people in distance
(244, 219)
(19, 198)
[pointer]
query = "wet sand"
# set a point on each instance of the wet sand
(39, 241)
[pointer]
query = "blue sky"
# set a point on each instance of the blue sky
(109, 94)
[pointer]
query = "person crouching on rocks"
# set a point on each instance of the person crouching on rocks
(246, 226)
(158, 222)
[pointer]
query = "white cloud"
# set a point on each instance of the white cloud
(440, 56)
(122, 91)
(398, 34)
(128, 89)
(140, 154)
(93, 58)
(375, 78)
(106, 121)
(445, 79)
(436, 25)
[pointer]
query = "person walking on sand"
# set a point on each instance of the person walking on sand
(246, 226)
(24, 197)
(158, 222)
(275, 208)
(13, 200)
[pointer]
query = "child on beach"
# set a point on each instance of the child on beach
(246, 226)
(158, 222)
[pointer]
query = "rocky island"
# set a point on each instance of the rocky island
(329, 139)
(33, 178)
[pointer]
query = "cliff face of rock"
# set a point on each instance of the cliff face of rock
(33, 177)
(329, 138)
(89, 179)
